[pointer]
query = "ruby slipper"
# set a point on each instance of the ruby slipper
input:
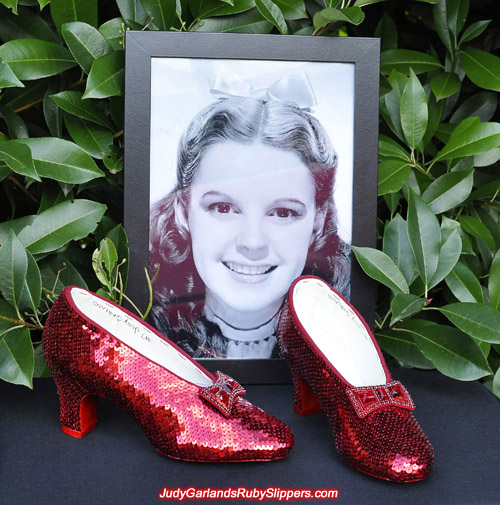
(96, 348)
(337, 368)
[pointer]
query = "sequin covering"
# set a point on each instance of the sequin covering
(87, 362)
(374, 435)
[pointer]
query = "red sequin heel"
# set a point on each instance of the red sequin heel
(337, 367)
(96, 348)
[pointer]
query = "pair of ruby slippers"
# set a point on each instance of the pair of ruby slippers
(96, 348)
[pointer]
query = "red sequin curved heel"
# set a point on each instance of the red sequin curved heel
(337, 367)
(96, 348)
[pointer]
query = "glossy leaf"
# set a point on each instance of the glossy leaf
(32, 290)
(413, 111)
(487, 158)
(404, 305)
(464, 284)
(452, 352)
(435, 117)
(93, 139)
(109, 256)
(62, 160)
(381, 267)
(474, 30)
(494, 282)
(392, 102)
(404, 59)
(389, 148)
(28, 24)
(483, 105)
(106, 78)
(33, 59)
(162, 12)
(58, 225)
(495, 387)
(441, 24)
(397, 246)
(53, 114)
(449, 253)
(112, 31)
(401, 345)
(470, 137)
(13, 268)
(67, 11)
(477, 320)
(362, 3)
(7, 77)
(482, 68)
(132, 10)
(477, 229)
(71, 101)
(387, 31)
(392, 175)
(58, 272)
(119, 238)
(329, 15)
(246, 22)
(18, 158)
(16, 358)
(209, 8)
(456, 14)
(424, 235)
(11, 4)
(273, 14)
(445, 84)
(292, 9)
(15, 123)
(85, 43)
(449, 190)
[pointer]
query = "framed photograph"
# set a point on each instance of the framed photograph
(249, 160)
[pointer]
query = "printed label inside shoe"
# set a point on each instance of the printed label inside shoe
(338, 332)
(136, 335)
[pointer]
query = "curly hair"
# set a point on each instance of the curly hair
(245, 120)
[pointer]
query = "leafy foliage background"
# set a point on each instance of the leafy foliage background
(61, 162)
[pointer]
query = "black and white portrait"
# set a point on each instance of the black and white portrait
(250, 187)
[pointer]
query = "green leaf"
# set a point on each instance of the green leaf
(93, 139)
(441, 24)
(404, 59)
(464, 284)
(483, 105)
(494, 282)
(62, 160)
(362, 3)
(413, 111)
(209, 8)
(389, 148)
(7, 77)
(32, 290)
(11, 4)
(273, 14)
(487, 158)
(58, 225)
(474, 30)
(392, 175)
(424, 235)
(397, 246)
(470, 137)
(445, 84)
(435, 117)
(449, 254)
(162, 12)
(57, 272)
(405, 305)
(67, 11)
(477, 320)
(495, 387)
(246, 22)
(16, 125)
(106, 78)
(112, 31)
(292, 9)
(456, 13)
(353, 15)
(33, 59)
(52, 114)
(119, 238)
(85, 43)
(387, 31)
(402, 346)
(482, 68)
(477, 229)
(452, 353)
(16, 358)
(132, 10)
(392, 101)
(13, 268)
(71, 101)
(109, 255)
(381, 267)
(18, 158)
(449, 190)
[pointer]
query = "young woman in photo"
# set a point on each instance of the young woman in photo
(253, 210)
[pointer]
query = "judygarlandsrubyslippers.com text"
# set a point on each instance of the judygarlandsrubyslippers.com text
(245, 493)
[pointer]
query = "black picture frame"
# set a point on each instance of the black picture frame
(144, 46)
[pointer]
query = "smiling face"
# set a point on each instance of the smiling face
(252, 217)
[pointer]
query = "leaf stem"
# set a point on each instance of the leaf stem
(20, 322)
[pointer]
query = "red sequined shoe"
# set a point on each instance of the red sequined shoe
(96, 348)
(337, 368)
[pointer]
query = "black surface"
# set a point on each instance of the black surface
(115, 464)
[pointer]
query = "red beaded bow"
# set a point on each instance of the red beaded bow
(366, 399)
(222, 393)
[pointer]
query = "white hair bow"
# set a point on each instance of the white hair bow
(295, 88)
